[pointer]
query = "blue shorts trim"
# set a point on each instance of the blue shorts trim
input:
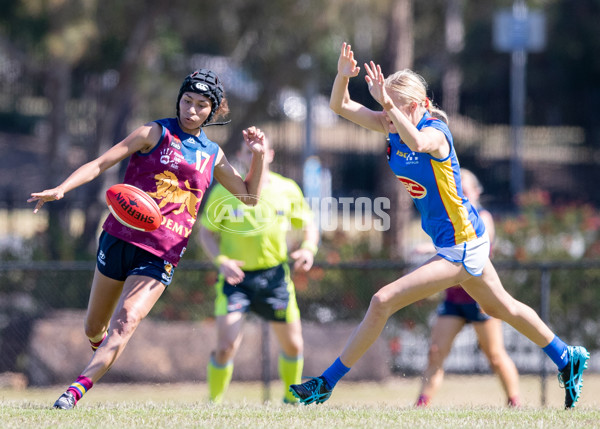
(471, 312)
(118, 260)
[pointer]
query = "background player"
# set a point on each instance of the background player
(248, 246)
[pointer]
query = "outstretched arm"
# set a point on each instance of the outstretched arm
(428, 140)
(142, 139)
(246, 190)
(340, 101)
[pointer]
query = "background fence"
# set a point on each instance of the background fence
(330, 293)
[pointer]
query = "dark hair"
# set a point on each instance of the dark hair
(207, 83)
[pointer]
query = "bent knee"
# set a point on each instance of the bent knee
(436, 354)
(93, 330)
(126, 322)
(293, 349)
(380, 304)
(224, 353)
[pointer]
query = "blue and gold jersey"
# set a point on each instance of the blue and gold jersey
(434, 185)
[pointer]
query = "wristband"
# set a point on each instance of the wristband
(310, 247)
(219, 259)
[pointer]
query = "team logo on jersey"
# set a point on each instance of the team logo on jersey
(415, 190)
(168, 190)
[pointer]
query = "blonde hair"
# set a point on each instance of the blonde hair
(410, 86)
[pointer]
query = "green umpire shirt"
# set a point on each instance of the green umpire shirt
(257, 235)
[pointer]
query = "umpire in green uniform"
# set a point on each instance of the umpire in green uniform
(249, 247)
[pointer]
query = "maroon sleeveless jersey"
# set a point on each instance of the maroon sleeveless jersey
(176, 173)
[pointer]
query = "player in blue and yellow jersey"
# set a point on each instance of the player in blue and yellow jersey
(421, 154)
(249, 247)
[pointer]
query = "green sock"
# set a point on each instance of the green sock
(218, 378)
(290, 372)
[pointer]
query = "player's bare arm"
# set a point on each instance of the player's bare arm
(246, 190)
(142, 139)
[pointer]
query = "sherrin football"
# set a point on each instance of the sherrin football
(133, 207)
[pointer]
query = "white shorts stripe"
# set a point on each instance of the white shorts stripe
(473, 254)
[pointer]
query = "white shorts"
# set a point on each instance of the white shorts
(472, 254)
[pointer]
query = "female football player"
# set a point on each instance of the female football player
(135, 267)
(422, 156)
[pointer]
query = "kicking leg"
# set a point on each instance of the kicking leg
(139, 295)
(104, 297)
(495, 301)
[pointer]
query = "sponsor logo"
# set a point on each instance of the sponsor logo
(175, 144)
(129, 206)
(410, 157)
(165, 156)
(101, 258)
(415, 190)
(201, 87)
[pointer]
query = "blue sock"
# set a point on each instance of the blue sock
(557, 351)
(334, 373)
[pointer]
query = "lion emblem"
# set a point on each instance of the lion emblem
(168, 191)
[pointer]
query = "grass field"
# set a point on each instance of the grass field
(463, 402)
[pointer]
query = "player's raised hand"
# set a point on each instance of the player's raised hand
(346, 63)
(45, 196)
(376, 82)
(255, 139)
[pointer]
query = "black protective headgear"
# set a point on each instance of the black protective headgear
(204, 82)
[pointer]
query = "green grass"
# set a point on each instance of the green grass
(243, 415)
(463, 402)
